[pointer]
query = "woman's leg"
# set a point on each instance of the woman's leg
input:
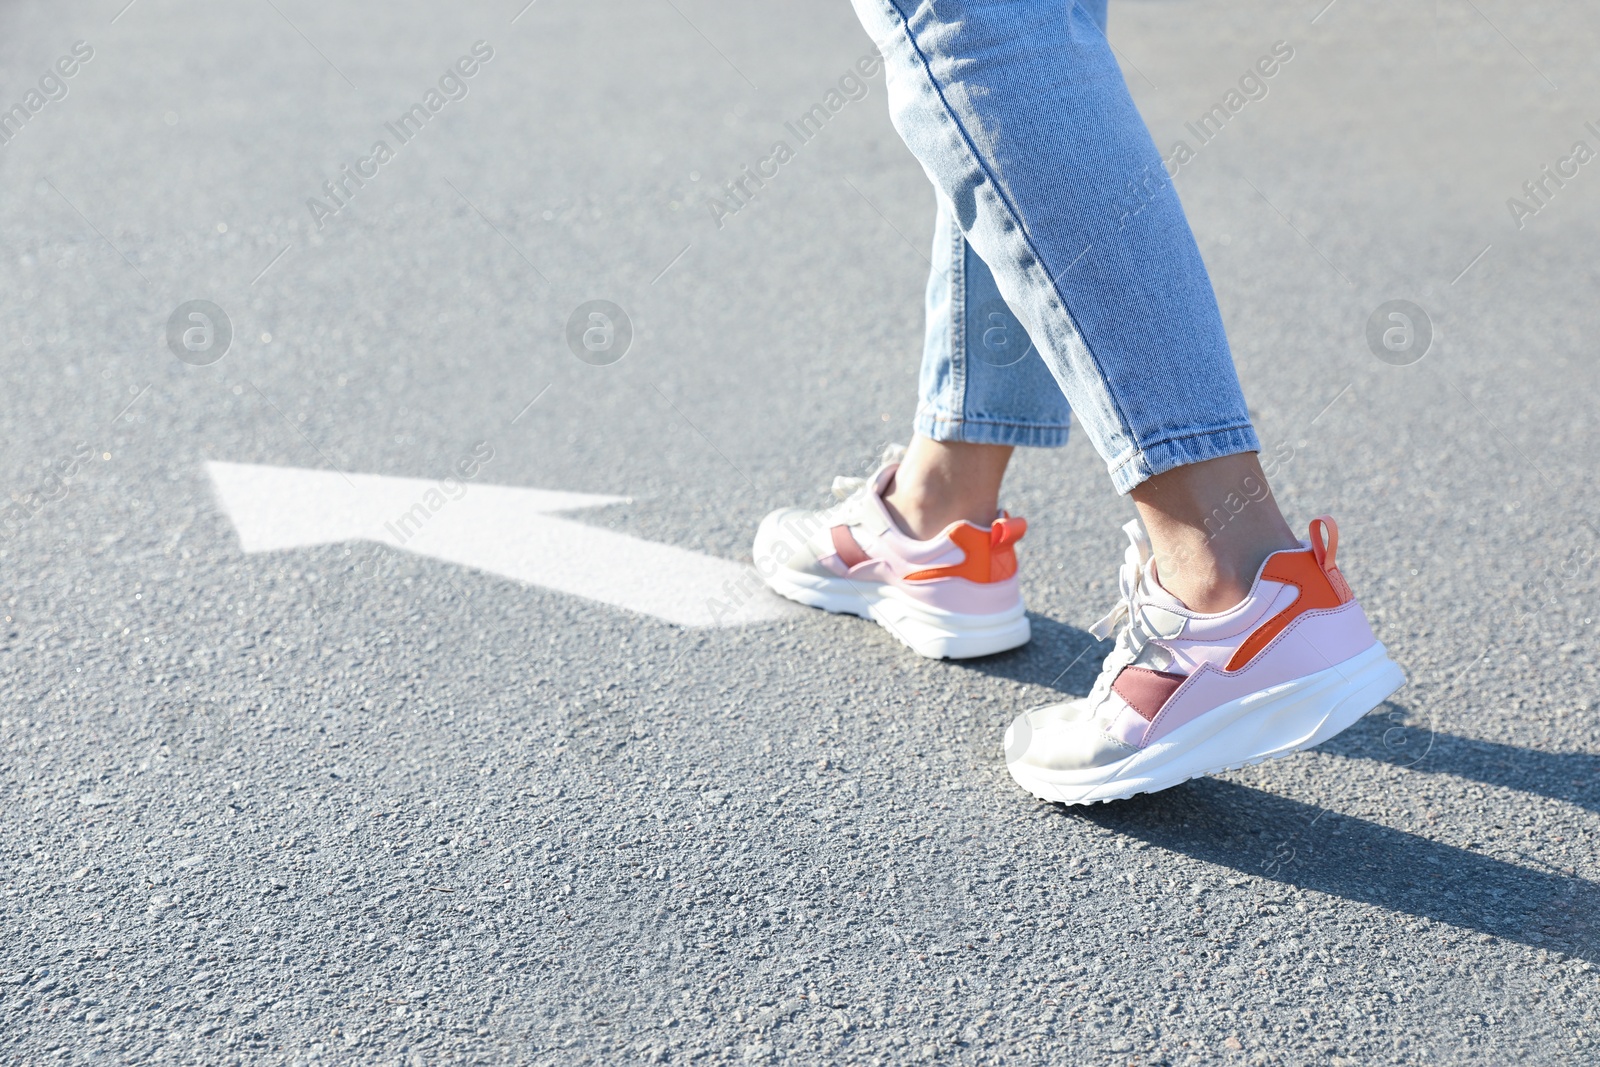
(1235, 643)
(983, 390)
(1019, 114)
(918, 545)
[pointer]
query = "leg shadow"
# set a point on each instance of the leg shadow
(1058, 656)
(1388, 735)
(1268, 836)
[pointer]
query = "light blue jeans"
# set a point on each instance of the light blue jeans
(1065, 275)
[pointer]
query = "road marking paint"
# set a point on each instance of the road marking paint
(502, 530)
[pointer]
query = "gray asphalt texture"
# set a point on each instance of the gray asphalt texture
(348, 805)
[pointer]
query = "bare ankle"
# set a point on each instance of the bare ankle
(942, 482)
(1205, 584)
(1211, 527)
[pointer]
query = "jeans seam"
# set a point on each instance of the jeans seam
(959, 420)
(958, 318)
(1016, 217)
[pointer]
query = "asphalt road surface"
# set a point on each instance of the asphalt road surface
(341, 801)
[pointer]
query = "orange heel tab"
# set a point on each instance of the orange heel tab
(1318, 584)
(989, 555)
(1006, 530)
(1324, 545)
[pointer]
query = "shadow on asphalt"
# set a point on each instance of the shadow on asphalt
(1268, 836)
(1264, 835)
(1389, 737)
(1058, 656)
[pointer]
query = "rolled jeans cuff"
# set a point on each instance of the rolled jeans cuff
(1163, 455)
(942, 427)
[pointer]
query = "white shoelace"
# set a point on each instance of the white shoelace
(1131, 639)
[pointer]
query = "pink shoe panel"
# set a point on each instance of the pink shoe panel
(1313, 642)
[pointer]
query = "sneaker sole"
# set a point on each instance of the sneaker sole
(926, 631)
(1268, 724)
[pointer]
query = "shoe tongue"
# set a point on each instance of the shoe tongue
(880, 480)
(1139, 553)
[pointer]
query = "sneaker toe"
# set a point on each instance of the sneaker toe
(1062, 737)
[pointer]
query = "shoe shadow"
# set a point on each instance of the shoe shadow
(1058, 656)
(1269, 836)
(1389, 735)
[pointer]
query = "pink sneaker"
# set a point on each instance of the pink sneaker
(1184, 695)
(952, 597)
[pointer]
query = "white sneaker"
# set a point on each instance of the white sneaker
(1185, 694)
(953, 596)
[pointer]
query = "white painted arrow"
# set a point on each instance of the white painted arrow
(500, 529)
